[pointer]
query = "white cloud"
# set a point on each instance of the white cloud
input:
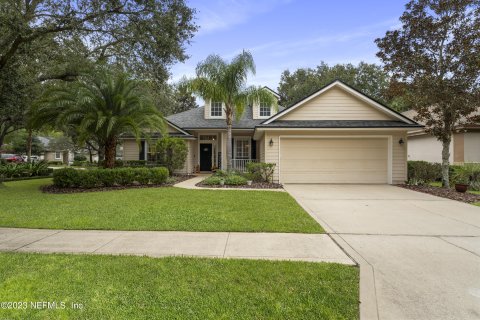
(223, 14)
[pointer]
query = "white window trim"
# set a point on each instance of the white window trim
(260, 114)
(60, 155)
(243, 138)
(216, 117)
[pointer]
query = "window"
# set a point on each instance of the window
(152, 152)
(58, 155)
(265, 110)
(207, 137)
(216, 109)
(242, 148)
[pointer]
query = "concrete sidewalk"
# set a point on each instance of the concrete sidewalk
(271, 246)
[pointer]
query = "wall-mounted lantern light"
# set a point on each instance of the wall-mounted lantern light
(400, 142)
(271, 142)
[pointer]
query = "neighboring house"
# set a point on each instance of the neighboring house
(464, 148)
(335, 135)
(52, 154)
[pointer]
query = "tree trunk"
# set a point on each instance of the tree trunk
(90, 155)
(229, 117)
(446, 161)
(29, 146)
(110, 151)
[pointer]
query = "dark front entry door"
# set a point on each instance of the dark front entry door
(205, 157)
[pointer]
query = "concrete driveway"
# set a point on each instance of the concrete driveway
(419, 255)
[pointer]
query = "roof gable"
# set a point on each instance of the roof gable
(338, 101)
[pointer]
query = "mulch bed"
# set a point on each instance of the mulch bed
(445, 193)
(255, 185)
(53, 189)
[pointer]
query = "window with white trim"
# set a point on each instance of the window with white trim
(265, 110)
(242, 148)
(58, 155)
(216, 109)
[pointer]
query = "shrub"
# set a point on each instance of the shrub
(107, 177)
(55, 163)
(261, 171)
(159, 175)
(124, 176)
(469, 174)
(423, 172)
(79, 157)
(89, 179)
(142, 175)
(235, 180)
(71, 178)
(134, 163)
(172, 153)
(221, 173)
(212, 181)
(78, 163)
(66, 178)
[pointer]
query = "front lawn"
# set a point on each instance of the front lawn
(22, 204)
(116, 287)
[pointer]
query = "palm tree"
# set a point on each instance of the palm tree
(219, 80)
(100, 106)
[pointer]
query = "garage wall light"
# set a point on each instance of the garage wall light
(271, 142)
(400, 142)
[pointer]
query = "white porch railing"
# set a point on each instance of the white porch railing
(241, 164)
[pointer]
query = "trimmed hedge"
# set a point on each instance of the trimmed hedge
(423, 172)
(72, 178)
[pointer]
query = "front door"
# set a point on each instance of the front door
(205, 157)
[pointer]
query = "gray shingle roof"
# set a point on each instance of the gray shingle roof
(338, 124)
(194, 119)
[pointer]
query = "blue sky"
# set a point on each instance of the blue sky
(289, 34)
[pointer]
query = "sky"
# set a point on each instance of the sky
(289, 34)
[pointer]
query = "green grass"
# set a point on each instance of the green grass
(116, 287)
(22, 204)
(435, 184)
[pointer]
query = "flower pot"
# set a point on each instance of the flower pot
(249, 182)
(222, 183)
(461, 187)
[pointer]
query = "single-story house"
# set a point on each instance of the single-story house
(54, 154)
(335, 135)
(464, 148)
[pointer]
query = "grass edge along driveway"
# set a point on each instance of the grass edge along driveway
(23, 205)
(126, 287)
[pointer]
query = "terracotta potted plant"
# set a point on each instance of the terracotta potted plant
(461, 179)
(461, 187)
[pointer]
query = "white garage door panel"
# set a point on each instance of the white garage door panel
(334, 160)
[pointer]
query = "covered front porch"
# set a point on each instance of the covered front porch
(210, 150)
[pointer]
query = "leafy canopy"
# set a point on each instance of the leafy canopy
(368, 78)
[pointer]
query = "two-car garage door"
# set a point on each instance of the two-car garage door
(334, 160)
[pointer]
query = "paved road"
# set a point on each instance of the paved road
(272, 246)
(419, 255)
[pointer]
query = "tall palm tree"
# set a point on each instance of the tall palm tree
(220, 80)
(100, 106)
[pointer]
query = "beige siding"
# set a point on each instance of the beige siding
(130, 149)
(256, 112)
(398, 152)
(261, 147)
(399, 158)
(208, 115)
(459, 147)
(427, 148)
(335, 104)
(472, 147)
